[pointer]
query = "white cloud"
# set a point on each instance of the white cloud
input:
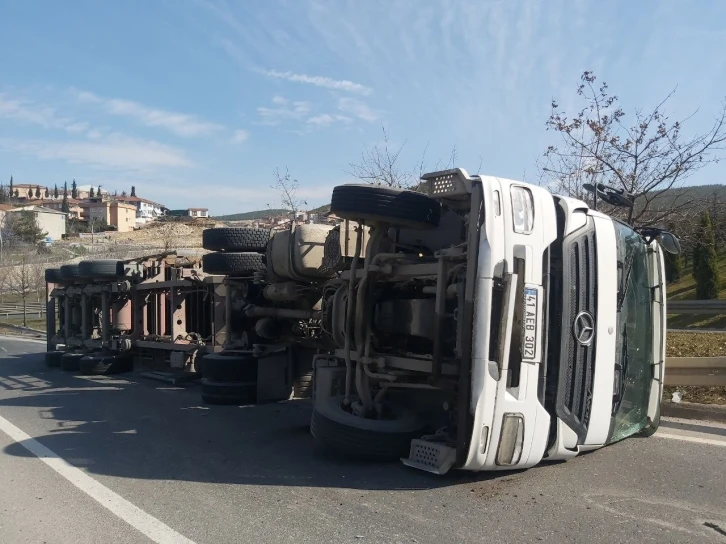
(27, 111)
(358, 109)
(115, 152)
(240, 136)
(326, 119)
(279, 100)
(274, 116)
(322, 81)
(181, 124)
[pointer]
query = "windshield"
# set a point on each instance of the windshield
(634, 350)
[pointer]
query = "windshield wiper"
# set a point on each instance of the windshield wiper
(621, 370)
(625, 281)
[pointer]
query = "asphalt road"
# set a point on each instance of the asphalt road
(127, 460)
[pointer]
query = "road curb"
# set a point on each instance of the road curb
(693, 410)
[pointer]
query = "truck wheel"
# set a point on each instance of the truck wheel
(232, 264)
(71, 361)
(302, 386)
(228, 393)
(102, 269)
(235, 239)
(70, 272)
(652, 427)
(53, 275)
(53, 358)
(355, 436)
(385, 204)
(221, 367)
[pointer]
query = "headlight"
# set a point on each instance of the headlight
(522, 210)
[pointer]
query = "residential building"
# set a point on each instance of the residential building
(50, 221)
(146, 210)
(198, 212)
(74, 207)
(123, 216)
(120, 215)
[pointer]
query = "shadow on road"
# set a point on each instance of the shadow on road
(130, 427)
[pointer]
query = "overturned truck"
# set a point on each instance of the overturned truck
(484, 325)
(105, 315)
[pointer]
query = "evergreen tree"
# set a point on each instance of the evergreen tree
(74, 190)
(133, 189)
(55, 191)
(30, 193)
(47, 193)
(65, 190)
(673, 263)
(3, 194)
(123, 193)
(11, 192)
(17, 193)
(704, 257)
(98, 192)
(37, 191)
(92, 193)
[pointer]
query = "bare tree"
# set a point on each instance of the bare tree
(287, 188)
(646, 158)
(381, 165)
(22, 283)
(5, 272)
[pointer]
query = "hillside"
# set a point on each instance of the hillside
(699, 193)
(685, 289)
(251, 216)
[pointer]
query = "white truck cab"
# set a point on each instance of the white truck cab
(485, 325)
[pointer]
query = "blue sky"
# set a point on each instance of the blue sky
(197, 102)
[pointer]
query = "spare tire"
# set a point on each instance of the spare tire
(71, 361)
(355, 436)
(372, 203)
(102, 268)
(235, 239)
(228, 393)
(53, 275)
(53, 358)
(221, 367)
(70, 272)
(232, 264)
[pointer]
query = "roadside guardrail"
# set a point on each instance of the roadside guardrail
(698, 371)
(698, 307)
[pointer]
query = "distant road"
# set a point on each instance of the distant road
(128, 460)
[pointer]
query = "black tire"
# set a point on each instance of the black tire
(71, 361)
(53, 358)
(70, 272)
(353, 436)
(232, 264)
(302, 386)
(371, 203)
(102, 268)
(228, 393)
(220, 367)
(94, 364)
(653, 425)
(235, 239)
(53, 275)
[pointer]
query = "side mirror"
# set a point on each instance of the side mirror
(670, 242)
(610, 195)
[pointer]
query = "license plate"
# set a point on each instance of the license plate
(529, 324)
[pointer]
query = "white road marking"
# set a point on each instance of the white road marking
(145, 523)
(697, 440)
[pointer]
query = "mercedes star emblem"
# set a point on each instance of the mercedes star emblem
(584, 328)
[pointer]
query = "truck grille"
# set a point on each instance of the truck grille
(578, 342)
